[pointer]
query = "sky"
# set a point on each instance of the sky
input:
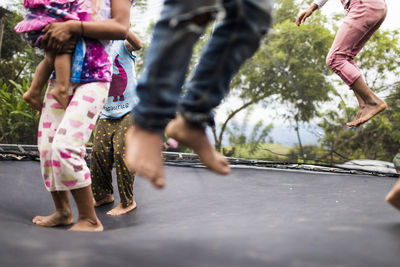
(268, 115)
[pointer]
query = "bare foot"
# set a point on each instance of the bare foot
(197, 140)
(120, 210)
(106, 200)
(393, 197)
(356, 119)
(33, 98)
(58, 218)
(368, 112)
(143, 155)
(87, 225)
(61, 96)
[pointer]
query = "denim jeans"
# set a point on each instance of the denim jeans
(182, 22)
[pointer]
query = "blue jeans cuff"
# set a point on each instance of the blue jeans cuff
(198, 120)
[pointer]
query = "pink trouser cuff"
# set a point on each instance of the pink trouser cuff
(346, 69)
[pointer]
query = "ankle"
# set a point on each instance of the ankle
(32, 91)
(65, 212)
(60, 89)
(88, 219)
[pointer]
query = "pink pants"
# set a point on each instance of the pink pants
(63, 135)
(364, 17)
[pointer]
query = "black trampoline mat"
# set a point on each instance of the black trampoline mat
(253, 217)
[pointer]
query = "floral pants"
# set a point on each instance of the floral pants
(63, 135)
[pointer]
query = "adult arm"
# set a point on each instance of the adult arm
(116, 28)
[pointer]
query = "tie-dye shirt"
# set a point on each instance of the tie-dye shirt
(122, 94)
(40, 13)
(91, 61)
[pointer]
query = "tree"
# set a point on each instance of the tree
(289, 68)
(18, 60)
(239, 134)
(17, 119)
(246, 141)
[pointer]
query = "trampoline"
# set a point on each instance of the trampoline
(253, 217)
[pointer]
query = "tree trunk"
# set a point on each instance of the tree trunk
(1, 31)
(218, 141)
(299, 139)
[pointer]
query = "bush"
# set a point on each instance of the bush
(18, 121)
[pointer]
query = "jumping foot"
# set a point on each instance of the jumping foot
(393, 197)
(58, 218)
(120, 210)
(143, 155)
(197, 140)
(367, 112)
(87, 225)
(106, 200)
(61, 96)
(33, 98)
(356, 119)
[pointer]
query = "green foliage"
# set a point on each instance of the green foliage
(265, 151)
(12, 42)
(18, 123)
(18, 60)
(285, 10)
(251, 140)
(289, 68)
(379, 59)
(141, 4)
(308, 154)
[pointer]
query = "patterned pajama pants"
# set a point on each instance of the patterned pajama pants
(109, 147)
(63, 134)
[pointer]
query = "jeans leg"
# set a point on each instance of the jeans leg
(160, 84)
(233, 41)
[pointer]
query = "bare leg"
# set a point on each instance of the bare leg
(87, 220)
(361, 105)
(62, 66)
(372, 104)
(62, 215)
(197, 140)
(393, 197)
(106, 200)
(120, 209)
(143, 155)
(42, 73)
